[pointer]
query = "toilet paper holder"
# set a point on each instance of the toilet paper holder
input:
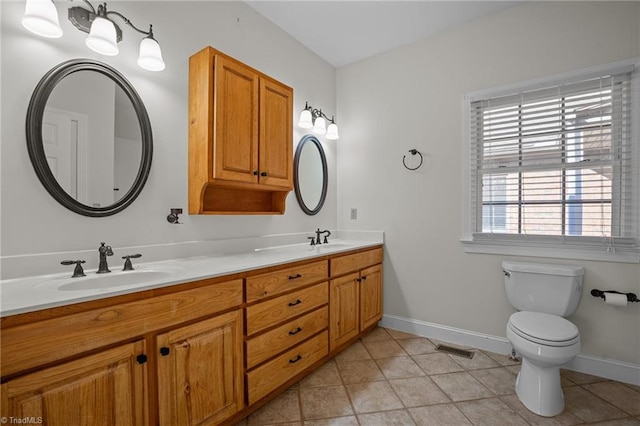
(631, 297)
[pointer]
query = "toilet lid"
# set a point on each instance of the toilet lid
(544, 328)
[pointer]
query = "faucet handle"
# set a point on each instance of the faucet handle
(78, 271)
(313, 240)
(328, 234)
(127, 263)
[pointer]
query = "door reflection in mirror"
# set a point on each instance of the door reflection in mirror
(91, 137)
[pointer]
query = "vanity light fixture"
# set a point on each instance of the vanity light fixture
(41, 18)
(316, 120)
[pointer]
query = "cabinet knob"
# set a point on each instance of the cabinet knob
(142, 358)
(364, 278)
(263, 174)
(164, 351)
(255, 173)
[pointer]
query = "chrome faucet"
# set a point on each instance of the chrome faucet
(104, 251)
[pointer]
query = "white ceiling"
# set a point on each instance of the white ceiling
(343, 32)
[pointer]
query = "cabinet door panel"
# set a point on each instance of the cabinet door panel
(370, 296)
(108, 388)
(236, 122)
(276, 133)
(343, 312)
(200, 371)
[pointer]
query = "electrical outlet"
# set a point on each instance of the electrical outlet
(354, 213)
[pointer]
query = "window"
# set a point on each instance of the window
(554, 164)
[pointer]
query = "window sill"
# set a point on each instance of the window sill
(555, 251)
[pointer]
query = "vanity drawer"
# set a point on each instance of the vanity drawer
(353, 262)
(274, 373)
(272, 283)
(30, 345)
(271, 312)
(266, 345)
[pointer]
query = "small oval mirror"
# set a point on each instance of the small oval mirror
(89, 137)
(310, 175)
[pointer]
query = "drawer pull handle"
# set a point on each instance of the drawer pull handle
(296, 359)
(297, 302)
(296, 276)
(296, 331)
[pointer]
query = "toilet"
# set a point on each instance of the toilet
(543, 294)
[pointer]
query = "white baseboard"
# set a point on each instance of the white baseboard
(610, 369)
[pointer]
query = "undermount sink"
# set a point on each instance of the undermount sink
(93, 281)
(331, 246)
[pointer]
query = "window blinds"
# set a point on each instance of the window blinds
(555, 161)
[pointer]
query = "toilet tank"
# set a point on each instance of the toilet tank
(539, 287)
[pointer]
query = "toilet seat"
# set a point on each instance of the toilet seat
(544, 329)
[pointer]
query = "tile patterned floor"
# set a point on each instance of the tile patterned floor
(393, 378)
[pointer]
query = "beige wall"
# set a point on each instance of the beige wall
(412, 97)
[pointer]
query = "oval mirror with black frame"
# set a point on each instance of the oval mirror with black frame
(310, 174)
(89, 137)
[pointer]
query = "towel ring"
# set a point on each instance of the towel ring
(413, 152)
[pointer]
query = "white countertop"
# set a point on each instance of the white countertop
(21, 295)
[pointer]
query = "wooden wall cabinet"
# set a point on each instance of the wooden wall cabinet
(356, 298)
(240, 138)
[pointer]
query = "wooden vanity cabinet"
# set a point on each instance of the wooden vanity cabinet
(345, 312)
(107, 388)
(287, 319)
(240, 138)
(370, 296)
(77, 368)
(208, 352)
(355, 295)
(200, 371)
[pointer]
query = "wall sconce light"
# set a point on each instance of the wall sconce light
(41, 18)
(316, 120)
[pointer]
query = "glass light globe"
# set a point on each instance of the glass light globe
(332, 132)
(305, 121)
(102, 37)
(150, 57)
(319, 127)
(41, 18)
